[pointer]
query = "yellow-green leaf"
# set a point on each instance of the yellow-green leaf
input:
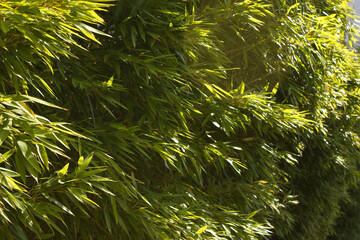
(63, 171)
(201, 230)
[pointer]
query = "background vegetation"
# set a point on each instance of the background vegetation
(183, 119)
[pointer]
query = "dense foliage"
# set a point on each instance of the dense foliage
(182, 119)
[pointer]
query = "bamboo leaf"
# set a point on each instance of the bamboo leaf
(201, 230)
(62, 172)
(43, 155)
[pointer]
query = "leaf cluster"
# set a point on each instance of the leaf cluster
(176, 119)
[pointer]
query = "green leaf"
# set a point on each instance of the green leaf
(3, 135)
(13, 183)
(275, 89)
(20, 165)
(44, 83)
(5, 156)
(43, 155)
(63, 171)
(42, 102)
(133, 35)
(110, 81)
(242, 88)
(201, 230)
(2, 43)
(84, 163)
(47, 236)
(61, 139)
(23, 148)
(4, 25)
(2, 158)
(26, 109)
(107, 220)
(81, 160)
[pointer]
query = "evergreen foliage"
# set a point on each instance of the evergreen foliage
(182, 119)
